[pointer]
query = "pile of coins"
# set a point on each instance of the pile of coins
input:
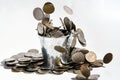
(30, 61)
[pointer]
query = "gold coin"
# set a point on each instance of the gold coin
(108, 58)
(90, 56)
(48, 8)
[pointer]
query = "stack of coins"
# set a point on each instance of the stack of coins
(30, 61)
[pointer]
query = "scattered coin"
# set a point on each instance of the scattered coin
(38, 13)
(85, 70)
(90, 56)
(97, 63)
(48, 8)
(108, 58)
(68, 10)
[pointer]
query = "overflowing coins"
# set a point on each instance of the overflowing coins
(73, 59)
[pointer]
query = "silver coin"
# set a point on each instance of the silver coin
(91, 56)
(11, 63)
(40, 28)
(81, 37)
(33, 55)
(21, 65)
(31, 69)
(38, 13)
(60, 49)
(33, 50)
(37, 58)
(40, 63)
(78, 57)
(9, 60)
(68, 10)
(24, 59)
(39, 71)
(19, 55)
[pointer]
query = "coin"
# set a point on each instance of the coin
(38, 13)
(97, 63)
(31, 69)
(108, 58)
(33, 55)
(78, 57)
(11, 63)
(85, 51)
(81, 37)
(48, 8)
(46, 18)
(60, 49)
(90, 56)
(33, 50)
(68, 10)
(24, 59)
(15, 69)
(18, 65)
(85, 70)
(73, 42)
(67, 24)
(19, 55)
(73, 26)
(9, 60)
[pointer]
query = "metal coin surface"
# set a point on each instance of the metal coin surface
(97, 63)
(24, 59)
(90, 56)
(11, 63)
(85, 70)
(9, 60)
(21, 65)
(68, 10)
(81, 37)
(108, 58)
(38, 13)
(78, 57)
(85, 51)
(60, 49)
(19, 55)
(15, 69)
(33, 50)
(48, 8)
(67, 24)
(73, 42)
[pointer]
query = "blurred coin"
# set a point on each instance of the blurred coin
(90, 56)
(33, 55)
(11, 63)
(40, 28)
(78, 57)
(40, 63)
(37, 59)
(15, 69)
(85, 70)
(68, 10)
(60, 49)
(94, 77)
(85, 51)
(33, 50)
(81, 37)
(39, 71)
(48, 8)
(38, 13)
(97, 63)
(46, 18)
(19, 55)
(73, 26)
(24, 59)
(67, 24)
(58, 71)
(9, 60)
(108, 58)
(21, 65)
(31, 69)
(73, 42)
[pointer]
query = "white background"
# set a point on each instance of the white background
(99, 19)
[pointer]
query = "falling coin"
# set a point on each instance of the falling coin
(68, 10)
(85, 51)
(38, 13)
(78, 57)
(73, 42)
(48, 8)
(85, 70)
(108, 58)
(97, 63)
(80, 36)
(60, 49)
(67, 24)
